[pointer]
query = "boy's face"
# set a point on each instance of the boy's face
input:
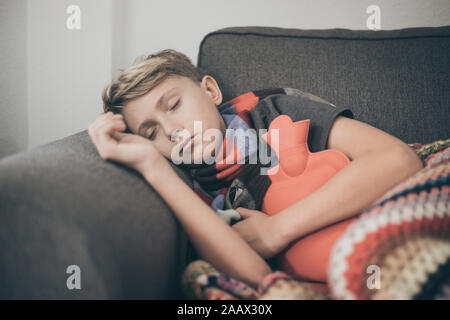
(183, 103)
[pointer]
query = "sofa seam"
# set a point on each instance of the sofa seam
(218, 32)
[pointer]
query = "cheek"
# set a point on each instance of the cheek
(207, 120)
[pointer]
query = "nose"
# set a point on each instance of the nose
(173, 129)
(174, 136)
(176, 133)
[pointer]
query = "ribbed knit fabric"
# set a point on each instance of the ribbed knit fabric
(204, 282)
(404, 235)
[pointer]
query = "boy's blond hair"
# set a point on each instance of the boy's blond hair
(147, 72)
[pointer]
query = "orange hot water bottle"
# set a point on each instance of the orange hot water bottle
(299, 173)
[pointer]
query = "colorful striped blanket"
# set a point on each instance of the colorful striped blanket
(398, 248)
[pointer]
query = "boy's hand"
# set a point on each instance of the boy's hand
(261, 232)
(132, 150)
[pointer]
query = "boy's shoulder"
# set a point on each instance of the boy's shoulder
(271, 93)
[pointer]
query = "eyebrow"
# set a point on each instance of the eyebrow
(158, 105)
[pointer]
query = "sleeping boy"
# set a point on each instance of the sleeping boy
(151, 115)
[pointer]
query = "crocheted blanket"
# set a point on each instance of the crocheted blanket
(398, 248)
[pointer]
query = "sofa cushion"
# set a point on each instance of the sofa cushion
(395, 80)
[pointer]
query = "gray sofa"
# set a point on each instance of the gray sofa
(62, 205)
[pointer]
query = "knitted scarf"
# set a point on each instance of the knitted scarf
(230, 183)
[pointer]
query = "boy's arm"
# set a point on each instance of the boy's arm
(379, 162)
(215, 241)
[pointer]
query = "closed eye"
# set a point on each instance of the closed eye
(175, 105)
(152, 135)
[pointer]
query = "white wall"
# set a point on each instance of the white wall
(153, 25)
(66, 68)
(52, 77)
(13, 77)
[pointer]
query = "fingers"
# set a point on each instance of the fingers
(102, 131)
(100, 119)
(120, 135)
(106, 129)
(246, 213)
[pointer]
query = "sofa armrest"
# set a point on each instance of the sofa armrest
(62, 205)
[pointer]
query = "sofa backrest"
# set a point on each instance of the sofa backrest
(395, 80)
